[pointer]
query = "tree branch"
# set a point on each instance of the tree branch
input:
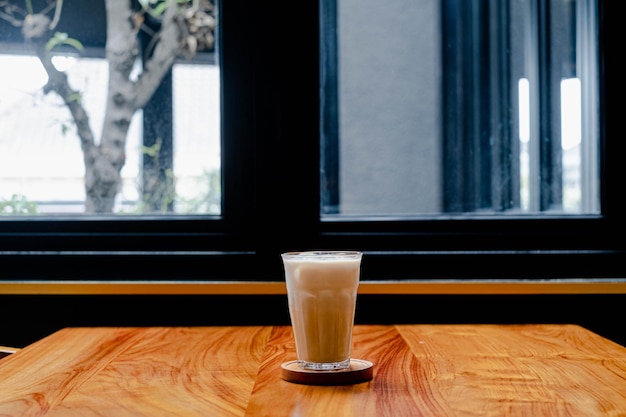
(57, 14)
(57, 82)
(167, 49)
(122, 48)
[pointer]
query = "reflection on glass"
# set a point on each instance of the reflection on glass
(459, 108)
(570, 144)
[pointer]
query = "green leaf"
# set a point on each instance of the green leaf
(159, 9)
(60, 38)
(151, 151)
(76, 97)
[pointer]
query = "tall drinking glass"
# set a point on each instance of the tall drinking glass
(321, 292)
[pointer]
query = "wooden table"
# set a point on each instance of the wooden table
(419, 370)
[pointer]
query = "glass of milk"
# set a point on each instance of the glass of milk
(321, 290)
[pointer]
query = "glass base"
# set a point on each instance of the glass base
(324, 366)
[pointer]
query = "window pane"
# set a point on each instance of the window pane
(453, 107)
(197, 138)
(166, 151)
(41, 163)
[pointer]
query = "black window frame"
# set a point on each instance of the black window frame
(271, 116)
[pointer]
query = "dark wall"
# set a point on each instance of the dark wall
(27, 318)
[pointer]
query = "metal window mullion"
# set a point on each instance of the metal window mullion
(473, 107)
(505, 163)
(329, 112)
(549, 169)
(453, 122)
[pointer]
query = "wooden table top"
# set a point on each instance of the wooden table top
(419, 370)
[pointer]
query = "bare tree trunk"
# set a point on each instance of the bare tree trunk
(103, 168)
(104, 160)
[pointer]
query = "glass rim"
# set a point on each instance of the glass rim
(322, 254)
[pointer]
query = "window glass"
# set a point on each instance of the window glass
(449, 107)
(41, 163)
(196, 104)
(169, 158)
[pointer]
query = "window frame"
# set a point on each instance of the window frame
(271, 183)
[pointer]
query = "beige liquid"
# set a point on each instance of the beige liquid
(322, 300)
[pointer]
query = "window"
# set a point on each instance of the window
(461, 107)
(298, 121)
(170, 160)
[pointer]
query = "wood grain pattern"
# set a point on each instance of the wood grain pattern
(419, 370)
(521, 370)
(134, 372)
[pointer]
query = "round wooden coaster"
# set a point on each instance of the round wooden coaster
(359, 371)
